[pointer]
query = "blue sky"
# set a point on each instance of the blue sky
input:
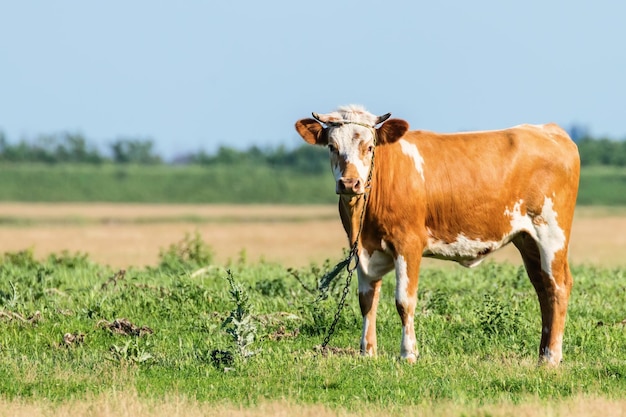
(198, 74)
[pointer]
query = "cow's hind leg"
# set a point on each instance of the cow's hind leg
(550, 275)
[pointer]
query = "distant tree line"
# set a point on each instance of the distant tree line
(304, 159)
(602, 152)
(75, 148)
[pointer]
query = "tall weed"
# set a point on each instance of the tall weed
(240, 324)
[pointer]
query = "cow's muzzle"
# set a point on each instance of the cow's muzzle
(350, 186)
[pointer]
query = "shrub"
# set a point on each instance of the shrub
(189, 253)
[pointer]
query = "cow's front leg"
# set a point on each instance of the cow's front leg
(369, 293)
(407, 274)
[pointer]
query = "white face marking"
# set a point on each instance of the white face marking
(402, 281)
(410, 150)
(348, 132)
(348, 145)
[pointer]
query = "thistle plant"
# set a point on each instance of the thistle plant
(240, 324)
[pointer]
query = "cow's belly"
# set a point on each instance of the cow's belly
(467, 252)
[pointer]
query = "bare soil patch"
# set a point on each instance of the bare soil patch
(294, 236)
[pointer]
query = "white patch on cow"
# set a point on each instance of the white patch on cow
(520, 222)
(468, 252)
(353, 113)
(349, 137)
(551, 236)
(366, 325)
(402, 281)
(543, 228)
(372, 268)
(364, 284)
(410, 150)
(408, 344)
(343, 137)
(361, 167)
(554, 356)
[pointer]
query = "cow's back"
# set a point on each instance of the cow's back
(469, 181)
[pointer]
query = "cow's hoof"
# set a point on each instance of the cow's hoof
(410, 357)
(548, 362)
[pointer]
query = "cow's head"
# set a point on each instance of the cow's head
(351, 135)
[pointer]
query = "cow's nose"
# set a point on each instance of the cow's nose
(349, 186)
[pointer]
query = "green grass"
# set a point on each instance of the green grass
(161, 184)
(602, 185)
(243, 183)
(478, 333)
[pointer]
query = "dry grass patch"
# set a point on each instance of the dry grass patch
(291, 235)
(128, 404)
(127, 211)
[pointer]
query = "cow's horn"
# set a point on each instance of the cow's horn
(382, 118)
(317, 117)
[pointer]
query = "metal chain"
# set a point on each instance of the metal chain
(344, 294)
(353, 255)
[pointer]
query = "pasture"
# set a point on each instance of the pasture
(128, 310)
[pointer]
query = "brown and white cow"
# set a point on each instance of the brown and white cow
(454, 196)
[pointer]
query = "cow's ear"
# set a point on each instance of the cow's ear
(392, 130)
(312, 131)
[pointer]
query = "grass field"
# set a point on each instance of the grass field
(79, 337)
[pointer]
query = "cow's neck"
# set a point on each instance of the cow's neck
(378, 205)
(381, 206)
(351, 212)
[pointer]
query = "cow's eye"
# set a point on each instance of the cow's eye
(332, 148)
(370, 149)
